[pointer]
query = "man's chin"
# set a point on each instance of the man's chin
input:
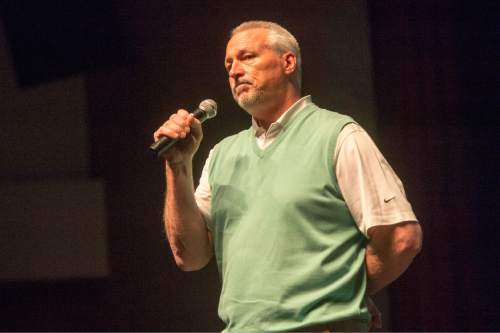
(247, 101)
(245, 104)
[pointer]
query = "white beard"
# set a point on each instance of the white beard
(250, 98)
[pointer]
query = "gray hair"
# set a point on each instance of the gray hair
(280, 40)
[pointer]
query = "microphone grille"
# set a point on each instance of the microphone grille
(210, 107)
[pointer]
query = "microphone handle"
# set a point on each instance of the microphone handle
(161, 146)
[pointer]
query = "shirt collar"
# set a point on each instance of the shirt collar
(285, 118)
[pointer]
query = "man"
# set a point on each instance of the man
(304, 215)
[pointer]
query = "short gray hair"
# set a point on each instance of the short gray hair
(280, 40)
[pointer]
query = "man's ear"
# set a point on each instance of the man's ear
(289, 62)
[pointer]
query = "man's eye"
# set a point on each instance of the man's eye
(248, 56)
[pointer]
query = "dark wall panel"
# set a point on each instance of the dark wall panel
(436, 70)
(53, 39)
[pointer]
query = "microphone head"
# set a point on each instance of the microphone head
(209, 107)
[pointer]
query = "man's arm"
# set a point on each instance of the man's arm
(390, 251)
(377, 201)
(189, 238)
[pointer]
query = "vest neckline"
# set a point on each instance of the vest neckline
(261, 153)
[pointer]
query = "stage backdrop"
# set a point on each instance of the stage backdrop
(84, 84)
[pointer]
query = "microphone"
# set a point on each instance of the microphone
(206, 110)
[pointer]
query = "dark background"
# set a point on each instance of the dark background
(435, 74)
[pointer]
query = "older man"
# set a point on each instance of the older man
(304, 215)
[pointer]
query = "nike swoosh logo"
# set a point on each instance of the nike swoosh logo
(386, 200)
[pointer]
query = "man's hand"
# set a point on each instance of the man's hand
(376, 315)
(187, 129)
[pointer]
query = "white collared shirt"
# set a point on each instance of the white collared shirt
(371, 189)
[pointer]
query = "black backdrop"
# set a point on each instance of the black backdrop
(436, 72)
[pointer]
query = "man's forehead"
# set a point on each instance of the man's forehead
(254, 37)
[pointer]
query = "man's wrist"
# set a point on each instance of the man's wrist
(178, 167)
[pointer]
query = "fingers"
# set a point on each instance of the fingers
(196, 130)
(376, 315)
(376, 320)
(178, 126)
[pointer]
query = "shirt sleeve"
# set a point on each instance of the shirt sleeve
(203, 193)
(371, 189)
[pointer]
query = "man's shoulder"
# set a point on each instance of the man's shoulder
(328, 119)
(326, 114)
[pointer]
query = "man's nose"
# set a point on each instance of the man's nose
(236, 70)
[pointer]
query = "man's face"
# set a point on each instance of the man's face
(256, 72)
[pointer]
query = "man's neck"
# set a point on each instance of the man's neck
(268, 114)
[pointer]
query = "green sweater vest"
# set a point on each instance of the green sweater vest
(288, 251)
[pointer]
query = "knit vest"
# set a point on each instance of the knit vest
(288, 252)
